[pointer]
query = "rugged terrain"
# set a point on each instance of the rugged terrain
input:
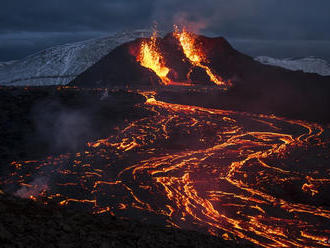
(26, 224)
(61, 64)
(39, 121)
(181, 131)
(242, 176)
(255, 87)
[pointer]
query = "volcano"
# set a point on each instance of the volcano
(247, 84)
(121, 65)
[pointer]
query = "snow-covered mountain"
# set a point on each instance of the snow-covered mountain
(309, 64)
(7, 63)
(61, 64)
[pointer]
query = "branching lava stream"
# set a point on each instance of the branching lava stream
(190, 167)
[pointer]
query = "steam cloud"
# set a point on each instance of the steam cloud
(60, 127)
(38, 185)
(205, 15)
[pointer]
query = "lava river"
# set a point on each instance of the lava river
(222, 172)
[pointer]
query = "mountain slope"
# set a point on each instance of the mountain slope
(255, 87)
(61, 64)
(309, 64)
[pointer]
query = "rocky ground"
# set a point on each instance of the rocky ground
(25, 223)
(39, 121)
(32, 121)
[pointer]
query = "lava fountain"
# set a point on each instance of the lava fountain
(195, 54)
(150, 57)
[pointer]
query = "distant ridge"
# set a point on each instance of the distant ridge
(308, 64)
(255, 87)
(61, 64)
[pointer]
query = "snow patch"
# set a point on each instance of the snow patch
(309, 64)
(61, 64)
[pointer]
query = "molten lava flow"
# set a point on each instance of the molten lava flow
(211, 170)
(195, 54)
(150, 57)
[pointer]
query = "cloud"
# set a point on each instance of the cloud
(73, 15)
(240, 19)
(208, 13)
(295, 18)
(271, 19)
(20, 44)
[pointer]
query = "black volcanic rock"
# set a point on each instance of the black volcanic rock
(39, 121)
(255, 87)
(120, 67)
(25, 223)
(174, 58)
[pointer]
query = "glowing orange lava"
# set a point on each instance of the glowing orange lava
(150, 57)
(195, 54)
(211, 170)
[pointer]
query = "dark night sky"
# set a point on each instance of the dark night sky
(277, 28)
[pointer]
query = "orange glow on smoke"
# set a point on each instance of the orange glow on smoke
(194, 53)
(150, 57)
